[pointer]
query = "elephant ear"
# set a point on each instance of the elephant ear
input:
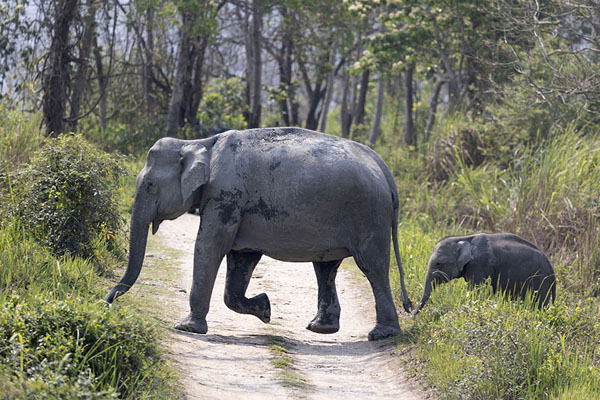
(194, 169)
(463, 255)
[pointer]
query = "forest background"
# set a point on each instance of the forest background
(487, 112)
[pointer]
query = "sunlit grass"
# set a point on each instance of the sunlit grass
(471, 343)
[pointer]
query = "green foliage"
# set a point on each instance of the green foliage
(55, 342)
(488, 347)
(67, 196)
(506, 176)
(223, 105)
(70, 349)
(126, 137)
(26, 266)
(19, 137)
(57, 339)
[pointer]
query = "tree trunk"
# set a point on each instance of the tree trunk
(378, 111)
(359, 111)
(327, 101)
(194, 88)
(284, 60)
(596, 19)
(175, 116)
(149, 62)
(345, 116)
(102, 84)
(312, 118)
(56, 81)
(254, 63)
(84, 63)
(187, 91)
(433, 108)
(409, 127)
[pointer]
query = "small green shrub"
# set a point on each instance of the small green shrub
(124, 137)
(71, 349)
(222, 106)
(68, 197)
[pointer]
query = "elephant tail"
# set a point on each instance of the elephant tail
(406, 303)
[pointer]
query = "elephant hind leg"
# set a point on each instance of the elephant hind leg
(327, 319)
(240, 266)
(373, 260)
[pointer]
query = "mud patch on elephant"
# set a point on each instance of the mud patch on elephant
(274, 166)
(228, 204)
(268, 212)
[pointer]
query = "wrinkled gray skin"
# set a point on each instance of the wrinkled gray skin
(289, 193)
(513, 264)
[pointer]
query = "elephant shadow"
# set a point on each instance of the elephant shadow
(361, 347)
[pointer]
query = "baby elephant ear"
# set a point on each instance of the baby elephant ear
(194, 169)
(463, 254)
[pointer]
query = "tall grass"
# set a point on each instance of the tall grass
(470, 343)
(57, 338)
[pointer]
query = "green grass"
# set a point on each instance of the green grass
(282, 360)
(57, 337)
(473, 176)
(470, 343)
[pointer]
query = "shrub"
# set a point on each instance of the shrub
(222, 107)
(70, 349)
(68, 197)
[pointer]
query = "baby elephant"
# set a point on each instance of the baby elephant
(513, 264)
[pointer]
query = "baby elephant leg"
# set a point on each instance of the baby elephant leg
(240, 266)
(327, 319)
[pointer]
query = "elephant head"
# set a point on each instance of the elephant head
(447, 262)
(165, 189)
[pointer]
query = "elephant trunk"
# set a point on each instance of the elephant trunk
(137, 249)
(426, 293)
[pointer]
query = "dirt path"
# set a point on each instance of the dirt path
(241, 357)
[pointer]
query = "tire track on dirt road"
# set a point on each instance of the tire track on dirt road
(234, 360)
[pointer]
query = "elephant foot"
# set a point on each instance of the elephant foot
(191, 324)
(261, 307)
(324, 324)
(384, 331)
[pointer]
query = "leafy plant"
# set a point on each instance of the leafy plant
(67, 196)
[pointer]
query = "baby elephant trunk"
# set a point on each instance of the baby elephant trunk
(426, 294)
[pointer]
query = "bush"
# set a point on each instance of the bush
(70, 349)
(486, 347)
(68, 197)
(222, 107)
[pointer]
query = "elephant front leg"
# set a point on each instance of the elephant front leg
(240, 266)
(212, 244)
(327, 319)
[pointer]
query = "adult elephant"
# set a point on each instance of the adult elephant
(289, 193)
(512, 264)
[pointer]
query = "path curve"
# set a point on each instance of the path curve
(234, 360)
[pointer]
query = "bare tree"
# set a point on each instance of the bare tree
(376, 130)
(194, 35)
(410, 136)
(433, 104)
(56, 79)
(253, 27)
(83, 64)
